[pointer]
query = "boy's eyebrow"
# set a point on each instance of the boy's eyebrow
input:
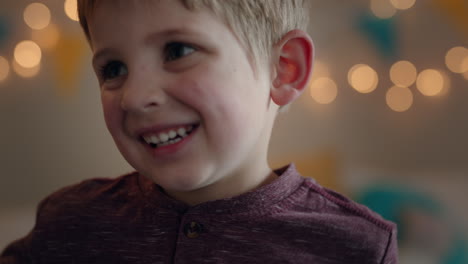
(150, 38)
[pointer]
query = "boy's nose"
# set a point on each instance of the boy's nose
(142, 93)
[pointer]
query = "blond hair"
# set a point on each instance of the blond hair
(258, 24)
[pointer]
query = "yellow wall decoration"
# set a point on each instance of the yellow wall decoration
(68, 61)
(323, 166)
(457, 10)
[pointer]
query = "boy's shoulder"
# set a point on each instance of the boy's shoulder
(90, 193)
(340, 225)
(331, 219)
(330, 208)
(98, 186)
(335, 205)
(308, 199)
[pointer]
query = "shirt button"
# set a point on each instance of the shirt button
(192, 229)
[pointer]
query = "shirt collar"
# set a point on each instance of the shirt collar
(255, 201)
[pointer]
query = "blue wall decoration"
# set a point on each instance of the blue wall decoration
(5, 31)
(382, 33)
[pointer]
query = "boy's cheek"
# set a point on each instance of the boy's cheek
(112, 112)
(198, 89)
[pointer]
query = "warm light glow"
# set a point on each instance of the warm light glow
(25, 72)
(465, 75)
(363, 78)
(382, 8)
(403, 73)
(430, 82)
(36, 16)
(399, 99)
(4, 69)
(28, 54)
(447, 83)
(320, 69)
(71, 9)
(48, 37)
(465, 64)
(403, 4)
(457, 59)
(323, 90)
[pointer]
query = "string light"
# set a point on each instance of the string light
(430, 82)
(36, 16)
(403, 73)
(465, 75)
(403, 4)
(320, 69)
(26, 72)
(4, 69)
(399, 99)
(447, 83)
(456, 59)
(323, 90)
(382, 8)
(71, 9)
(363, 78)
(465, 64)
(27, 54)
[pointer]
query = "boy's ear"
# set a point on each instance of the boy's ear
(293, 66)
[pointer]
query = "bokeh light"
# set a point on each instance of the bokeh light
(382, 8)
(323, 90)
(456, 59)
(4, 69)
(27, 54)
(465, 75)
(36, 16)
(26, 72)
(71, 9)
(320, 69)
(363, 78)
(403, 4)
(447, 83)
(431, 82)
(399, 99)
(465, 64)
(48, 37)
(403, 73)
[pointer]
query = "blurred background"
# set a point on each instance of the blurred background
(384, 120)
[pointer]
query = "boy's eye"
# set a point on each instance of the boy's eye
(113, 70)
(176, 50)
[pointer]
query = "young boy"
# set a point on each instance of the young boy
(190, 91)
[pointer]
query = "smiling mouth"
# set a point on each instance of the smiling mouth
(168, 137)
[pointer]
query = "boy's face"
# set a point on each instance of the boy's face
(165, 71)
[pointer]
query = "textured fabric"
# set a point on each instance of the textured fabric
(131, 220)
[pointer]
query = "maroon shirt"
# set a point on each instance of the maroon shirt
(130, 220)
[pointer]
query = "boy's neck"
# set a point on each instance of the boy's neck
(226, 188)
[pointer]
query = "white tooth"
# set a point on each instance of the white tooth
(182, 132)
(147, 139)
(169, 142)
(172, 134)
(154, 139)
(163, 137)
